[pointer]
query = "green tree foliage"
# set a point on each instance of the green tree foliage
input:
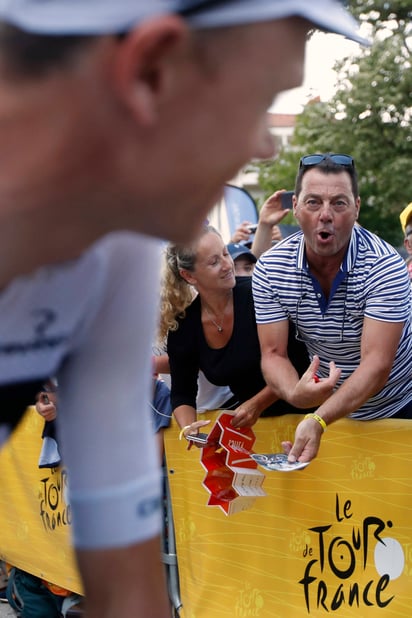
(369, 117)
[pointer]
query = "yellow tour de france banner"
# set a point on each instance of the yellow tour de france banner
(332, 539)
(34, 514)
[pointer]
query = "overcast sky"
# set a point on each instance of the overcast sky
(321, 54)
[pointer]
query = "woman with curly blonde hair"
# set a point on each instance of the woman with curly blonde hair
(176, 296)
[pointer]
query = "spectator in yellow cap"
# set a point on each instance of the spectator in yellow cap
(406, 223)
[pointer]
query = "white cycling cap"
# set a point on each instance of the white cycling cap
(71, 17)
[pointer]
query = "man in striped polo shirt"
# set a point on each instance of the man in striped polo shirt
(348, 294)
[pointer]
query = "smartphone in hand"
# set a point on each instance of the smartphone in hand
(286, 200)
(199, 438)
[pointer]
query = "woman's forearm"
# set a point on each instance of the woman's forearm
(185, 415)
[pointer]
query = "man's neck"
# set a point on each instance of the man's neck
(325, 269)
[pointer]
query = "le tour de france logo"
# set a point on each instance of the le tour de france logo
(351, 564)
(55, 510)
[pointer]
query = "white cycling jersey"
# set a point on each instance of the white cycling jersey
(90, 322)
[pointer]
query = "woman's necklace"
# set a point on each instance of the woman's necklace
(218, 326)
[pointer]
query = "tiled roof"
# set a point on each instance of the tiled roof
(282, 120)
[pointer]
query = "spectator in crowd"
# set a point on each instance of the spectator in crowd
(243, 259)
(174, 302)
(217, 334)
(348, 295)
(46, 406)
(102, 114)
(34, 597)
(406, 223)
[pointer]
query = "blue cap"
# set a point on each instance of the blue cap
(237, 250)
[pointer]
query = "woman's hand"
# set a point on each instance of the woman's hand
(246, 415)
(192, 429)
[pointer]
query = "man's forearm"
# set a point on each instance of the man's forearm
(280, 375)
(364, 383)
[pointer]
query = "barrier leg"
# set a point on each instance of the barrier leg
(169, 555)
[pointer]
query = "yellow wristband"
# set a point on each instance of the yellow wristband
(317, 418)
(182, 431)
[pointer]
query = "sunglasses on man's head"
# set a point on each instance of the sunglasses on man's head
(315, 159)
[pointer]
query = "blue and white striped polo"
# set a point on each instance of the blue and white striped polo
(372, 282)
